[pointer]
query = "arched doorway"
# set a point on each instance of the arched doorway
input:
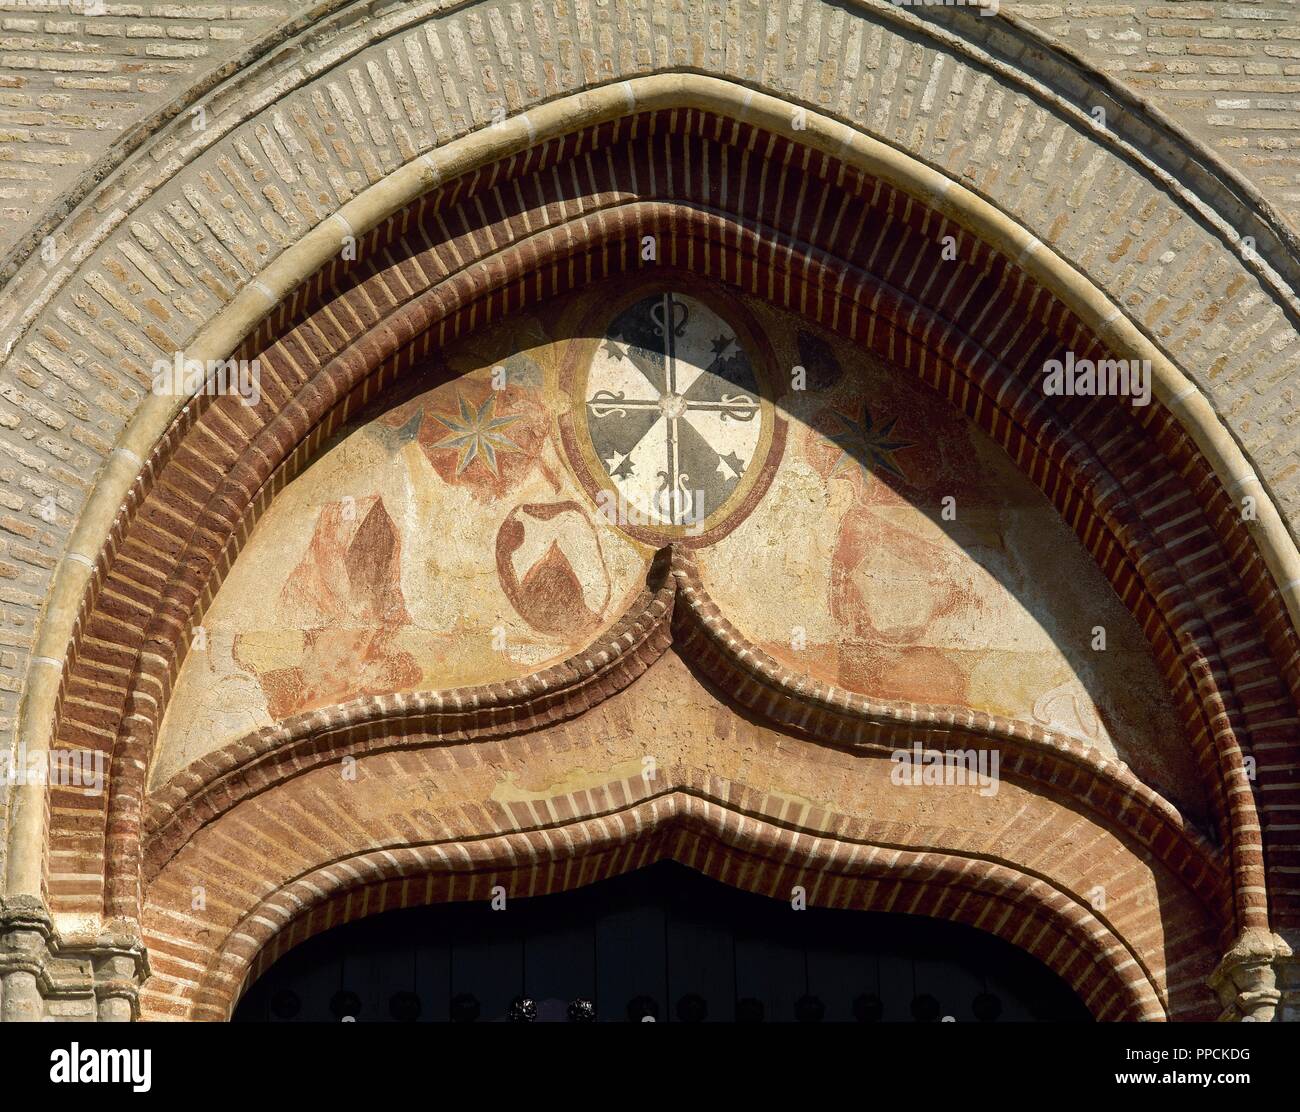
(663, 943)
(292, 734)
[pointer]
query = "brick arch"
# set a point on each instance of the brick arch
(1006, 45)
(880, 306)
(740, 848)
(199, 411)
(1078, 456)
(674, 613)
(440, 800)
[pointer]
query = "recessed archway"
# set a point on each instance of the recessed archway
(662, 944)
(516, 232)
(734, 849)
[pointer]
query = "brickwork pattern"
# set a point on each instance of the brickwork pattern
(801, 813)
(73, 85)
(145, 265)
(353, 328)
(1229, 73)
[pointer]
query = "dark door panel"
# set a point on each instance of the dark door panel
(664, 942)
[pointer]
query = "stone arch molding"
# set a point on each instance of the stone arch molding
(250, 291)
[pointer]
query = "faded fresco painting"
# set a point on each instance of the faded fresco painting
(671, 418)
(502, 511)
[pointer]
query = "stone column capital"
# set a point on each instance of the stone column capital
(46, 976)
(1246, 980)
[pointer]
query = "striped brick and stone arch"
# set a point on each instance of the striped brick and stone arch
(571, 239)
(735, 847)
(549, 801)
(579, 235)
(567, 750)
(1159, 526)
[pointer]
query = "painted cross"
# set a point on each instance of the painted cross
(673, 408)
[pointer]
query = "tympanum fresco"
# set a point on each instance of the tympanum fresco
(844, 518)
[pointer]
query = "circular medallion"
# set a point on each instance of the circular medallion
(672, 420)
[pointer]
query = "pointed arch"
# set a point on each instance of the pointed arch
(446, 249)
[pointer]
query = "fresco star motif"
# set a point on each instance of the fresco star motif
(862, 444)
(476, 434)
(730, 466)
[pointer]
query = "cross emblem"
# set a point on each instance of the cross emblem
(673, 408)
